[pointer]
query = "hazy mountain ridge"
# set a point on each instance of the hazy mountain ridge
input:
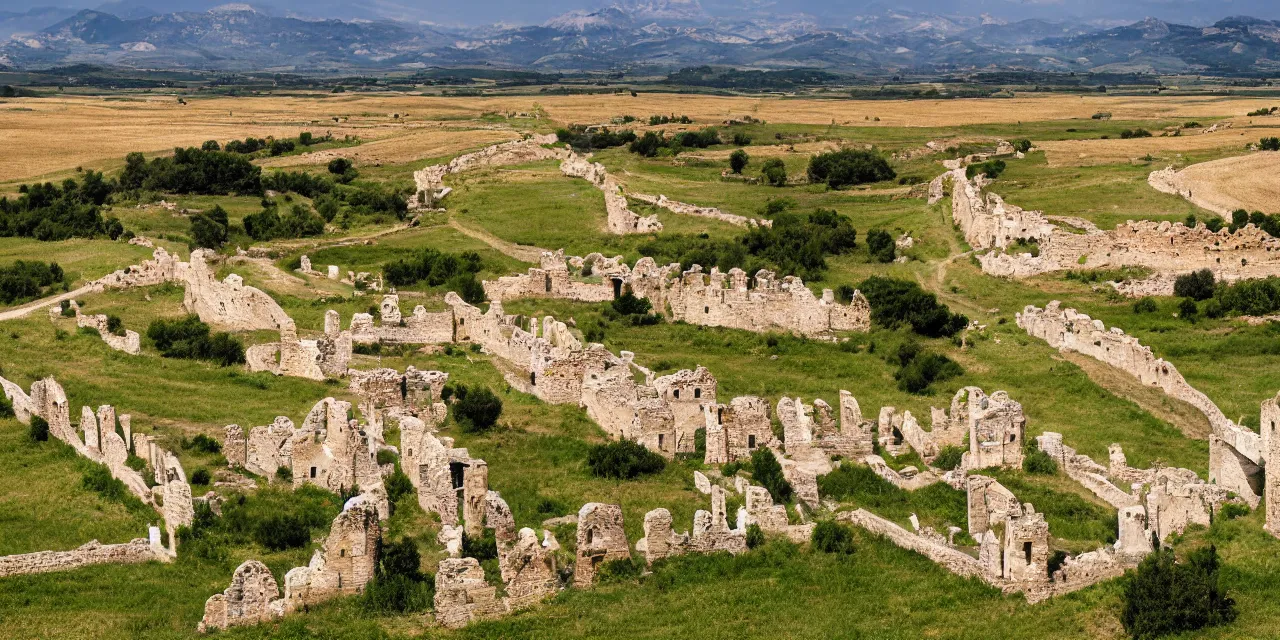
(654, 32)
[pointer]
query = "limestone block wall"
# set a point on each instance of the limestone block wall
(1084, 470)
(130, 342)
(247, 601)
(711, 532)
(986, 220)
(422, 327)
(343, 565)
(414, 392)
(462, 594)
(1271, 456)
(90, 553)
(950, 558)
(989, 502)
(736, 429)
(620, 219)
(506, 153)
(601, 539)
(686, 209)
(997, 428)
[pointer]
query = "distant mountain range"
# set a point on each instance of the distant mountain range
(659, 34)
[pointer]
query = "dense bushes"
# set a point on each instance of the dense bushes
(991, 169)
(209, 230)
(97, 478)
(476, 408)
(766, 470)
(654, 143)
(832, 537)
(738, 160)
(1248, 297)
(880, 246)
(50, 212)
(849, 167)
(1039, 462)
(774, 172)
(38, 430)
(431, 267)
(1134, 133)
(579, 138)
(194, 171)
(1163, 597)
(797, 244)
(1144, 305)
(1197, 285)
(899, 302)
(623, 460)
(918, 369)
(27, 280)
(274, 518)
(398, 584)
(189, 338)
(1269, 144)
(268, 224)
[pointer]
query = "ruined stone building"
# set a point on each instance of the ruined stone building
(462, 594)
(1168, 249)
(997, 429)
(760, 303)
(736, 429)
(711, 532)
(1271, 455)
(601, 539)
(1235, 457)
(328, 356)
(342, 566)
(387, 392)
(421, 327)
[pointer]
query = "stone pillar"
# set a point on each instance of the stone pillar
(89, 425)
(475, 487)
(126, 425)
(1270, 429)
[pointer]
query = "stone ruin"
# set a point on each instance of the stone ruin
(330, 451)
(1236, 456)
(736, 429)
(762, 303)
(228, 303)
(684, 208)
(93, 552)
(1166, 248)
(342, 566)
(431, 179)
(130, 342)
(393, 394)
(601, 539)
(711, 532)
(620, 219)
(328, 356)
(421, 327)
(449, 482)
(108, 440)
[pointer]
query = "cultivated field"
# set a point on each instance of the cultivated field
(1241, 182)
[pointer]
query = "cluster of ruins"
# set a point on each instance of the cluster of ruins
(1167, 249)
(734, 300)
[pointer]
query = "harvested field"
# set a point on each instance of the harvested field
(1243, 182)
(1079, 153)
(421, 143)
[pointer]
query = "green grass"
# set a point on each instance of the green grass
(82, 260)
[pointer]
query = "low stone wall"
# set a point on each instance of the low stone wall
(506, 153)
(951, 559)
(133, 552)
(130, 342)
(620, 219)
(687, 209)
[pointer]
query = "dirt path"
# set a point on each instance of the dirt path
(24, 310)
(519, 252)
(1185, 417)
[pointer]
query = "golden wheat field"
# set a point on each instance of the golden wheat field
(44, 136)
(1243, 182)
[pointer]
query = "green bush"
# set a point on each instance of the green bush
(1197, 285)
(755, 536)
(38, 431)
(1163, 597)
(482, 548)
(1269, 144)
(623, 460)
(49, 212)
(477, 408)
(1037, 461)
(201, 477)
(902, 302)
(433, 268)
(282, 531)
(991, 169)
(832, 537)
(98, 479)
(284, 474)
(620, 570)
(628, 304)
(918, 369)
(774, 171)
(949, 457)
(766, 471)
(849, 167)
(209, 230)
(28, 280)
(1187, 309)
(398, 486)
(1233, 510)
(738, 160)
(203, 444)
(398, 584)
(189, 338)
(881, 245)
(300, 222)
(1145, 305)
(6, 407)
(1134, 133)
(578, 137)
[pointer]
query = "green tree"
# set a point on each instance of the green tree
(774, 172)
(1163, 597)
(766, 470)
(738, 160)
(881, 245)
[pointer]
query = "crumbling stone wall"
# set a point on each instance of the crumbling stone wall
(431, 178)
(422, 327)
(1026, 547)
(130, 342)
(997, 430)
(989, 503)
(413, 393)
(711, 532)
(630, 411)
(684, 392)
(1084, 470)
(344, 564)
(737, 429)
(620, 219)
(132, 552)
(1271, 457)
(1069, 330)
(601, 539)
(687, 209)
(462, 595)
(554, 279)
(326, 356)
(247, 601)
(989, 222)
(1177, 498)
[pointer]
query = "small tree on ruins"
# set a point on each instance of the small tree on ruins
(477, 409)
(39, 429)
(766, 471)
(1164, 597)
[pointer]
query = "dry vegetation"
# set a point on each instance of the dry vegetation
(1243, 182)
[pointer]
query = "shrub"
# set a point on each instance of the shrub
(925, 368)
(97, 478)
(1037, 461)
(282, 531)
(620, 570)
(755, 536)
(1145, 305)
(6, 407)
(115, 325)
(284, 474)
(38, 430)
(398, 585)
(832, 537)
(774, 172)
(648, 144)
(193, 171)
(628, 304)
(1022, 146)
(467, 287)
(738, 160)
(849, 167)
(991, 169)
(1162, 597)
(1187, 309)
(949, 457)
(209, 230)
(741, 139)
(201, 477)
(1055, 562)
(189, 338)
(300, 222)
(1134, 133)
(579, 138)
(204, 444)
(623, 460)
(1233, 510)
(477, 408)
(766, 470)
(881, 245)
(1269, 144)
(482, 548)
(901, 302)
(398, 486)
(1197, 285)
(432, 267)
